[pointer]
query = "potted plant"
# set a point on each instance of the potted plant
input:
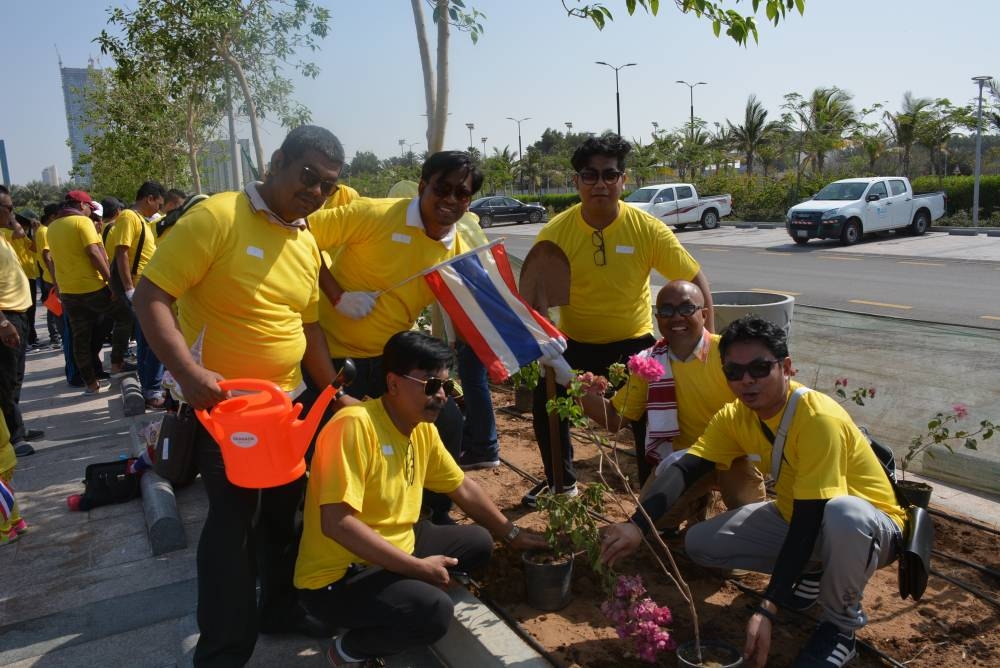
(524, 382)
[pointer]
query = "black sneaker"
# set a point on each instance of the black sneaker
(806, 591)
(23, 449)
(33, 434)
(474, 464)
(828, 647)
(531, 498)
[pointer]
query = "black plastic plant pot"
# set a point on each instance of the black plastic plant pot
(917, 493)
(547, 580)
(714, 654)
(523, 399)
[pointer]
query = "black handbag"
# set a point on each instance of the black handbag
(175, 457)
(109, 482)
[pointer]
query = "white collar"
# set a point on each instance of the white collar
(700, 351)
(258, 205)
(413, 219)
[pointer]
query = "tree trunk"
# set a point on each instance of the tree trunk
(192, 146)
(436, 142)
(425, 65)
(241, 79)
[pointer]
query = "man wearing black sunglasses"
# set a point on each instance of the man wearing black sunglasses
(834, 521)
(367, 563)
(612, 248)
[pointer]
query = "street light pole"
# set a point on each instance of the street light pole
(618, 99)
(471, 126)
(484, 147)
(979, 147)
(569, 127)
(691, 91)
(518, 121)
(402, 143)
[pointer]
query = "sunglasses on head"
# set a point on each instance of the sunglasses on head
(590, 176)
(758, 368)
(444, 190)
(433, 385)
(686, 309)
(310, 179)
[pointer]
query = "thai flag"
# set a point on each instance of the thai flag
(478, 292)
(6, 502)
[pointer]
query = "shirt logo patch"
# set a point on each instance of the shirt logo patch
(753, 457)
(624, 250)
(387, 450)
(401, 238)
(255, 252)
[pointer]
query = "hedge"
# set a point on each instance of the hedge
(959, 191)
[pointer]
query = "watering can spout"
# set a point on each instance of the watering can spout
(302, 431)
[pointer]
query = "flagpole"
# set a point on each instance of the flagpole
(439, 265)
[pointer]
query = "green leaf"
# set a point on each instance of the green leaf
(971, 444)
(716, 27)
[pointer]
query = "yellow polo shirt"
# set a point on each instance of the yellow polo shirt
(69, 236)
(22, 248)
(701, 391)
(342, 196)
(825, 454)
(42, 244)
(612, 302)
(126, 231)
(376, 244)
(245, 282)
(14, 292)
(364, 461)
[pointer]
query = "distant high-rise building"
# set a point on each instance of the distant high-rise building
(50, 176)
(3, 163)
(216, 166)
(75, 81)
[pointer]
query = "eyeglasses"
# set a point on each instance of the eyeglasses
(590, 176)
(411, 464)
(433, 385)
(9, 207)
(597, 238)
(687, 309)
(758, 368)
(310, 179)
(444, 190)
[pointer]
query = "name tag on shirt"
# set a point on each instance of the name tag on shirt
(624, 250)
(387, 450)
(401, 238)
(255, 252)
(753, 457)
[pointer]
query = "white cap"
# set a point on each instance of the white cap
(97, 208)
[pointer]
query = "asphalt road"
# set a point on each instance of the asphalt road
(936, 278)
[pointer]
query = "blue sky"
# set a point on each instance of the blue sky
(535, 62)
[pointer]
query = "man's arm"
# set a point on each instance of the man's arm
(329, 285)
(152, 306)
(98, 258)
(338, 523)
(124, 268)
(50, 263)
(317, 361)
(603, 412)
(706, 292)
(471, 498)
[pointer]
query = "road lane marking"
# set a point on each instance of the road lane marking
(990, 317)
(839, 257)
(775, 253)
(862, 301)
(780, 292)
(715, 250)
(923, 264)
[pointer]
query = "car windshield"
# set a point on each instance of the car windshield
(842, 191)
(478, 202)
(641, 195)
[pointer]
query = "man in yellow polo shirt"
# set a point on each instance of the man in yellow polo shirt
(612, 248)
(24, 247)
(835, 505)
(43, 256)
(243, 269)
(83, 274)
(366, 563)
(132, 244)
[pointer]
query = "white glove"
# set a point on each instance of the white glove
(552, 351)
(128, 295)
(356, 305)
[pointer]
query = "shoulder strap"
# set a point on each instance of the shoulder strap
(778, 443)
(142, 242)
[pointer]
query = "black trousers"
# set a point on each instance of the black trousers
(387, 613)
(12, 375)
(596, 358)
(84, 312)
(52, 321)
(248, 534)
(33, 284)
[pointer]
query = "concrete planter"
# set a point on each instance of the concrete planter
(732, 305)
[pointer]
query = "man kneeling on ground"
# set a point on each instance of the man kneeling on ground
(835, 519)
(365, 561)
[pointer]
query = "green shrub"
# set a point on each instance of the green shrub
(959, 191)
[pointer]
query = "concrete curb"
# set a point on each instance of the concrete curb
(132, 398)
(159, 504)
(964, 232)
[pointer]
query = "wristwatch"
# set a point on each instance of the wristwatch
(509, 537)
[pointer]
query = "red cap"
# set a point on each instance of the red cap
(79, 196)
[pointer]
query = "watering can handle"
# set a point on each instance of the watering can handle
(254, 385)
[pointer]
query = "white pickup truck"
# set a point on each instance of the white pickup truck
(851, 208)
(678, 204)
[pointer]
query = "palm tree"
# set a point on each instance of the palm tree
(643, 160)
(826, 117)
(755, 131)
(904, 124)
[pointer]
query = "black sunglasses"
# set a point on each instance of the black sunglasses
(686, 309)
(444, 190)
(433, 385)
(597, 238)
(310, 179)
(590, 176)
(758, 368)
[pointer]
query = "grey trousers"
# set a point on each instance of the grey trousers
(854, 541)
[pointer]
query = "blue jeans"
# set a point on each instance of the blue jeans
(479, 436)
(150, 369)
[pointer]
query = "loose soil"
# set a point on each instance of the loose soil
(949, 627)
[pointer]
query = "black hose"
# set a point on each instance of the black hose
(967, 587)
(965, 562)
(962, 520)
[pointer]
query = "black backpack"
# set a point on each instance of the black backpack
(109, 482)
(168, 221)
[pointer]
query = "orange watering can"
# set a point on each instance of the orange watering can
(263, 443)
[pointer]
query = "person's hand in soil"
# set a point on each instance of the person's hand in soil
(618, 541)
(529, 540)
(434, 570)
(758, 644)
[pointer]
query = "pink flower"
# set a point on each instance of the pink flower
(840, 382)
(645, 367)
(961, 410)
(593, 384)
(871, 392)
